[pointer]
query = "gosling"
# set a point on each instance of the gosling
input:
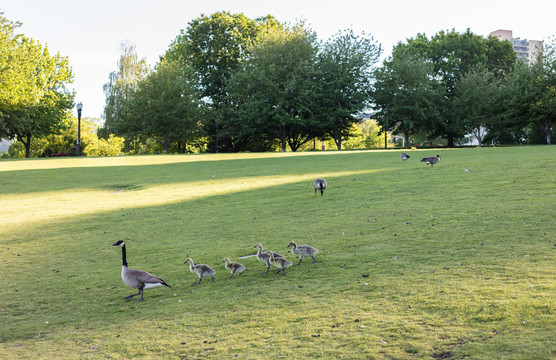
(319, 184)
(303, 251)
(201, 270)
(405, 156)
(431, 160)
(234, 267)
(264, 257)
(280, 262)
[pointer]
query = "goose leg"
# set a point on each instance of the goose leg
(130, 296)
(198, 282)
(212, 278)
(314, 260)
(283, 270)
(267, 269)
(300, 260)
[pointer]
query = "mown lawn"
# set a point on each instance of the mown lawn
(450, 262)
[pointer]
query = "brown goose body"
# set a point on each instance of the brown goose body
(137, 279)
(280, 262)
(303, 251)
(319, 185)
(431, 160)
(264, 257)
(234, 267)
(201, 270)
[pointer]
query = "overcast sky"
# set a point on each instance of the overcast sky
(89, 33)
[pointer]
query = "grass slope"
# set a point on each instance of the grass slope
(414, 262)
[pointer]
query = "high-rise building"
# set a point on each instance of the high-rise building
(527, 50)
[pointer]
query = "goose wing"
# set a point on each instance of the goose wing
(145, 277)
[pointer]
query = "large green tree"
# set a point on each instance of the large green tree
(406, 94)
(275, 94)
(34, 98)
(121, 84)
(453, 55)
(345, 74)
(214, 47)
(165, 106)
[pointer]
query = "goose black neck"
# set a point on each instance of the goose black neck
(124, 262)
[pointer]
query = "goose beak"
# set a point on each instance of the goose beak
(116, 244)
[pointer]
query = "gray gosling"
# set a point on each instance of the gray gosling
(234, 267)
(431, 160)
(264, 257)
(303, 251)
(137, 279)
(319, 185)
(405, 156)
(201, 270)
(280, 262)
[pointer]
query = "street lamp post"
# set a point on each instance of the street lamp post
(79, 108)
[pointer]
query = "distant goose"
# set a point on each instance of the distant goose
(431, 160)
(234, 267)
(137, 279)
(201, 270)
(405, 156)
(280, 262)
(303, 251)
(264, 257)
(319, 184)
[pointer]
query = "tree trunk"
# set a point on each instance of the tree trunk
(283, 131)
(27, 142)
(165, 143)
(406, 137)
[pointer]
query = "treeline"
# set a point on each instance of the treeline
(229, 83)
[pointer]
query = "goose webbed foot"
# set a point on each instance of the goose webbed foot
(314, 260)
(212, 278)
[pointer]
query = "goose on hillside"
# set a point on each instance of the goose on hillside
(431, 160)
(137, 279)
(234, 267)
(201, 270)
(264, 257)
(405, 156)
(303, 251)
(319, 185)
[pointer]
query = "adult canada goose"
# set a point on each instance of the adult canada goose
(431, 160)
(280, 262)
(302, 251)
(264, 257)
(234, 267)
(405, 156)
(137, 279)
(319, 184)
(201, 270)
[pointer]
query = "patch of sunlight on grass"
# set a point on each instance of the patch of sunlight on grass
(48, 206)
(71, 162)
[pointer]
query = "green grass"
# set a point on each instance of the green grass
(414, 263)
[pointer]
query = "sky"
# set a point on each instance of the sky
(90, 33)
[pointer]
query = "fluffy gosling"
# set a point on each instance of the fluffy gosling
(303, 251)
(234, 267)
(201, 270)
(264, 257)
(280, 262)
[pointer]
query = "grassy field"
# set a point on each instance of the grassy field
(450, 262)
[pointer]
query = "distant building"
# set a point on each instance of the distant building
(527, 50)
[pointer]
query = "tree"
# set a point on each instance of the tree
(453, 55)
(406, 94)
(476, 97)
(531, 93)
(121, 84)
(34, 98)
(214, 47)
(274, 95)
(165, 106)
(345, 75)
